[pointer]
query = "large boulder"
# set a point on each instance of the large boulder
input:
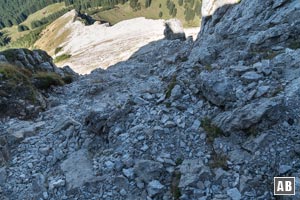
(78, 169)
(174, 30)
(147, 170)
(217, 87)
(264, 111)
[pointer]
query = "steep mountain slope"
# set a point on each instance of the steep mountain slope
(217, 118)
(99, 45)
(23, 34)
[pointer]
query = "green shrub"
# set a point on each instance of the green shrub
(22, 28)
(212, 130)
(178, 161)
(9, 54)
(68, 79)
(160, 14)
(62, 57)
(294, 45)
(57, 50)
(44, 80)
(4, 39)
(180, 2)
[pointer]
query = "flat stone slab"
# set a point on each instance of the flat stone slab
(251, 77)
(78, 169)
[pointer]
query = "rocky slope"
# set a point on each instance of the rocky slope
(213, 119)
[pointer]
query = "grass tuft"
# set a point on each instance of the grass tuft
(44, 80)
(16, 81)
(212, 130)
(175, 190)
(170, 87)
(13, 73)
(62, 58)
(218, 161)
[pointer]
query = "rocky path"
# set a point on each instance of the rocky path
(168, 124)
(65, 148)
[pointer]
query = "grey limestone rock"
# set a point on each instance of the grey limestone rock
(4, 150)
(129, 173)
(174, 30)
(3, 176)
(148, 170)
(245, 117)
(234, 194)
(219, 34)
(217, 87)
(3, 59)
(154, 187)
(78, 169)
(249, 77)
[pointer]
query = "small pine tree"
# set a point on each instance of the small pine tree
(174, 12)
(180, 2)
(148, 3)
(198, 8)
(160, 14)
(22, 28)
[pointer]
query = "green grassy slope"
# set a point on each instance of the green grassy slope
(123, 12)
(27, 38)
(13, 32)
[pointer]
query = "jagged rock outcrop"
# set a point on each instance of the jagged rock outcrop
(245, 32)
(23, 74)
(267, 111)
(174, 30)
(217, 88)
(214, 119)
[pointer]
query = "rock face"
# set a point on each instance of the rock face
(267, 111)
(251, 42)
(213, 119)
